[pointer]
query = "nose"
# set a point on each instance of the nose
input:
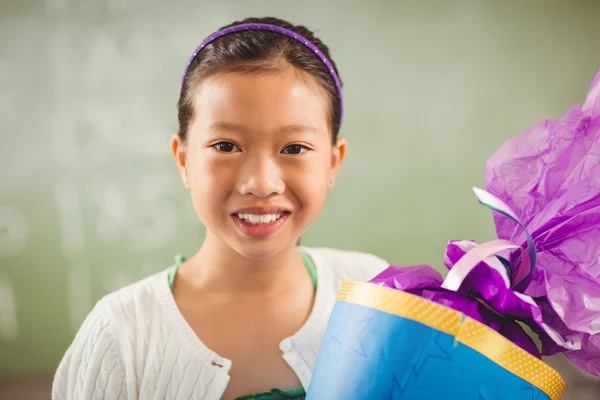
(261, 177)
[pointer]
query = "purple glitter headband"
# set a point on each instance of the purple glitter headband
(276, 29)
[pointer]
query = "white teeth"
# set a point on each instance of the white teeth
(259, 219)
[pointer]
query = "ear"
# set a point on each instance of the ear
(179, 153)
(337, 157)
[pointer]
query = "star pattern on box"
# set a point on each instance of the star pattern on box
(397, 389)
(430, 348)
(349, 336)
(485, 394)
(434, 352)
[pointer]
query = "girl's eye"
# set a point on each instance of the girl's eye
(226, 147)
(294, 149)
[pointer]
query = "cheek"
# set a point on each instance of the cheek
(310, 182)
(211, 182)
(208, 173)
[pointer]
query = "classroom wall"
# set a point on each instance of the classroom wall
(89, 196)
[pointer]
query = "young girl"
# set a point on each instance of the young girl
(258, 149)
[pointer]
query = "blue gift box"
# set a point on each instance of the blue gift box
(383, 343)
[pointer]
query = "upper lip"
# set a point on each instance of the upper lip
(261, 210)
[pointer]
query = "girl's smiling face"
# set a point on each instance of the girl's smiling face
(259, 158)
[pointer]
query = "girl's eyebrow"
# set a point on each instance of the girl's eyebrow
(286, 129)
(297, 128)
(226, 127)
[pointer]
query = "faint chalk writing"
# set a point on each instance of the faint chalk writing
(129, 57)
(143, 216)
(14, 231)
(9, 328)
(146, 137)
(79, 291)
(156, 223)
(87, 130)
(70, 215)
(82, 134)
(112, 204)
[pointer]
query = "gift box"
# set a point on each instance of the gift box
(383, 343)
(410, 333)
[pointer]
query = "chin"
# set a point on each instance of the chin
(253, 249)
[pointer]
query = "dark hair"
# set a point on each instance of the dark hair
(257, 51)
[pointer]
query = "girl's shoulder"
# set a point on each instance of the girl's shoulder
(103, 353)
(135, 303)
(346, 264)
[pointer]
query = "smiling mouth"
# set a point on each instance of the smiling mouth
(261, 219)
(260, 224)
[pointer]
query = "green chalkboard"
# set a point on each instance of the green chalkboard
(89, 196)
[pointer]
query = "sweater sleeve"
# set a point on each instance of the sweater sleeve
(91, 367)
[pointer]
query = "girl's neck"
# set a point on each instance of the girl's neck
(220, 269)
